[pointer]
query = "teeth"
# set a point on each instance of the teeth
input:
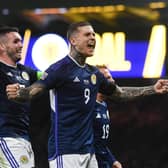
(90, 45)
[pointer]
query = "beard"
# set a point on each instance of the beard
(15, 57)
(18, 59)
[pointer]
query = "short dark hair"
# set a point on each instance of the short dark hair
(74, 26)
(6, 29)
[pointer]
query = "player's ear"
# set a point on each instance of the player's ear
(72, 40)
(2, 46)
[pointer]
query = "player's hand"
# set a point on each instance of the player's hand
(161, 86)
(12, 90)
(117, 164)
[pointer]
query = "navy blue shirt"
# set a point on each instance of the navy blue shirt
(101, 127)
(14, 117)
(74, 90)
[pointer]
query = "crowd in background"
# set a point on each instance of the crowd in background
(139, 132)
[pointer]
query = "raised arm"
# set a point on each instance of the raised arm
(126, 93)
(17, 93)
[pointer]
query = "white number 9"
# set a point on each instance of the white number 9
(87, 95)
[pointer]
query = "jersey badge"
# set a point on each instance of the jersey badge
(93, 79)
(24, 159)
(25, 75)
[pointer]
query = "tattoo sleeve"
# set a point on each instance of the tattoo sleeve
(129, 93)
(30, 92)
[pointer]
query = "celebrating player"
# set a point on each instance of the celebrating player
(101, 126)
(75, 85)
(15, 148)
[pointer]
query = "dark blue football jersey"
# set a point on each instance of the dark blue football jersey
(74, 90)
(101, 127)
(14, 117)
(51, 139)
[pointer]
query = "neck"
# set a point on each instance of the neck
(7, 60)
(100, 97)
(79, 58)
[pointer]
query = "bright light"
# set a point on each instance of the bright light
(156, 52)
(48, 49)
(26, 40)
(110, 50)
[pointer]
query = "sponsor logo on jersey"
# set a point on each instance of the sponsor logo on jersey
(76, 79)
(25, 75)
(9, 74)
(98, 115)
(93, 79)
(24, 159)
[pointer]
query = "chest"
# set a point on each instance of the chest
(81, 79)
(102, 117)
(12, 75)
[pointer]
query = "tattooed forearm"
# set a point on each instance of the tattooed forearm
(133, 92)
(129, 93)
(30, 92)
(22, 95)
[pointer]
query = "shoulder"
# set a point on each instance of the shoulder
(26, 68)
(92, 68)
(62, 67)
(62, 63)
(28, 71)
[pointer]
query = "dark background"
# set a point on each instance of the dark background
(139, 129)
(136, 19)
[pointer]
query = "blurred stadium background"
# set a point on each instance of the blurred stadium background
(132, 40)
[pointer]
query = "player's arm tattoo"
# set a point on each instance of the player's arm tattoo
(128, 93)
(30, 92)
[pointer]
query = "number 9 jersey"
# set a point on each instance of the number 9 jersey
(74, 89)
